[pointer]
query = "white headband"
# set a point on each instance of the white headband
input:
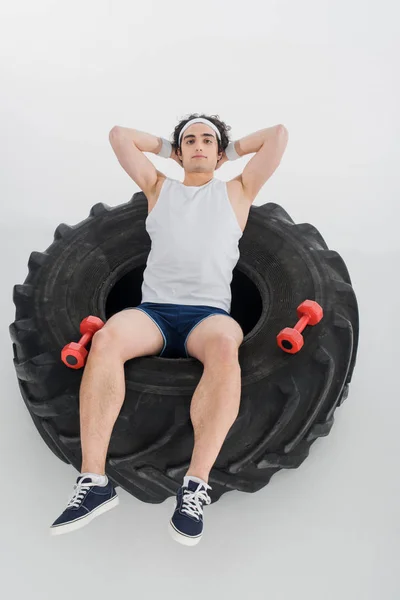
(199, 120)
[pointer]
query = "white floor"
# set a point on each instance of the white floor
(326, 70)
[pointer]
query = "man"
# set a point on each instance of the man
(195, 227)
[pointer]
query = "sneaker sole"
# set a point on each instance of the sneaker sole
(182, 538)
(72, 526)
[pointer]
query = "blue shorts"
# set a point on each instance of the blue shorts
(175, 322)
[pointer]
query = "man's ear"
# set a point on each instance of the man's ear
(178, 153)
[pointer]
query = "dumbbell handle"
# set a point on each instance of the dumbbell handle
(85, 339)
(302, 323)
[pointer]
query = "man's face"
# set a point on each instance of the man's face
(199, 140)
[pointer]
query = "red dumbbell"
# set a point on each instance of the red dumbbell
(74, 354)
(290, 339)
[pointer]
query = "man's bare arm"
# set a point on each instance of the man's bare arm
(269, 145)
(252, 143)
(132, 158)
(146, 142)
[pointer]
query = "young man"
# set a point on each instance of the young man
(195, 227)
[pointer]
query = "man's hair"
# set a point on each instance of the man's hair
(222, 127)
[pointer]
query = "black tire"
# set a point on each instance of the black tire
(288, 400)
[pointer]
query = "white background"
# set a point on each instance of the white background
(328, 71)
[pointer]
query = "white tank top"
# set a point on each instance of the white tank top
(194, 236)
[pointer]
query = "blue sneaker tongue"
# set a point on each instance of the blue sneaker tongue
(84, 479)
(193, 485)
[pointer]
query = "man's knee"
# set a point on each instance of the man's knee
(103, 340)
(221, 348)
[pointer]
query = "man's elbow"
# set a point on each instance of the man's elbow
(282, 139)
(114, 132)
(282, 130)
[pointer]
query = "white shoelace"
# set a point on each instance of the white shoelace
(79, 494)
(191, 502)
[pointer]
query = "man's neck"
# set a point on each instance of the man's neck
(197, 181)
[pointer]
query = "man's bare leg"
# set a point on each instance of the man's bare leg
(214, 409)
(102, 394)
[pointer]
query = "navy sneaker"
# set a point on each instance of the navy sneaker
(87, 502)
(186, 524)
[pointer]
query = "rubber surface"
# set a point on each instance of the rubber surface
(288, 401)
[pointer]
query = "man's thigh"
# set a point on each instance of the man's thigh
(213, 327)
(132, 332)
